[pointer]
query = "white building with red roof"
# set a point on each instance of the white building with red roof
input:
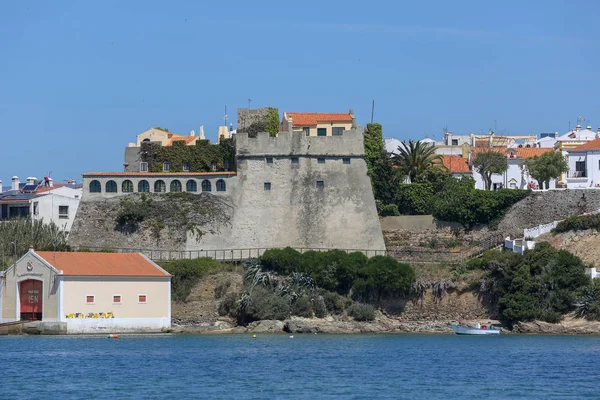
(87, 292)
(584, 166)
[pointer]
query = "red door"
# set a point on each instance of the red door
(31, 300)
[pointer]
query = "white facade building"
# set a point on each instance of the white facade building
(515, 177)
(584, 166)
(58, 206)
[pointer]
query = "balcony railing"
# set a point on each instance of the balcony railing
(577, 174)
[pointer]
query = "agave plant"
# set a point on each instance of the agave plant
(588, 304)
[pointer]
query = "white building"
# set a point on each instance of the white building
(584, 166)
(45, 201)
(515, 177)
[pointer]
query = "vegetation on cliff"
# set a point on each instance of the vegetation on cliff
(176, 211)
(18, 234)
(579, 223)
(543, 284)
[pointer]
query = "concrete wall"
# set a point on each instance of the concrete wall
(158, 292)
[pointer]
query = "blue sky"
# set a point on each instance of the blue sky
(79, 80)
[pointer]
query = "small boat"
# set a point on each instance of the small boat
(477, 330)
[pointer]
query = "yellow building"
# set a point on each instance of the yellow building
(318, 124)
(87, 292)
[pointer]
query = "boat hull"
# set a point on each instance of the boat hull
(467, 330)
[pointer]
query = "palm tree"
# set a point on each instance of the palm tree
(415, 158)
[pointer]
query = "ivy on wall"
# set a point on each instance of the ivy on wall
(200, 156)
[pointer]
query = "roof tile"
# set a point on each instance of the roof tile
(455, 164)
(591, 145)
(310, 119)
(102, 264)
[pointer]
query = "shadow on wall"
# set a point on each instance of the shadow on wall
(416, 223)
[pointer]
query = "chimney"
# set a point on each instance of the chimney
(31, 180)
(0, 186)
(15, 183)
(50, 182)
(201, 133)
(192, 133)
(353, 117)
(589, 127)
(578, 128)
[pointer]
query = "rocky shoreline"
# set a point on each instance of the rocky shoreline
(383, 324)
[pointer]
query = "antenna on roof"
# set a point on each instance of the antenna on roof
(372, 110)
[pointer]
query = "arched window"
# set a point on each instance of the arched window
(127, 186)
(95, 187)
(143, 186)
(206, 186)
(221, 187)
(111, 187)
(159, 186)
(175, 186)
(191, 186)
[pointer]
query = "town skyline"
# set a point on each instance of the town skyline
(78, 93)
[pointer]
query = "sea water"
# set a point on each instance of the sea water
(299, 367)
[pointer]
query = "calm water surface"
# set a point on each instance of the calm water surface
(305, 367)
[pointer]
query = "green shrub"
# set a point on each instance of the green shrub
(263, 303)
(579, 223)
(387, 210)
(587, 304)
(303, 307)
(228, 306)
(333, 302)
(383, 276)
(187, 272)
(221, 289)
(319, 307)
(415, 198)
(284, 261)
(361, 312)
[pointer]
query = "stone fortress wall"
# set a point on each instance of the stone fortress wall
(290, 190)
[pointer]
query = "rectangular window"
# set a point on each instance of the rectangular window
(63, 211)
(166, 166)
(143, 167)
(320, 184)
(346, 160)
(35, 208)
(116, 299)
(269, 160)
(337, 131)
(186, 166)
(454, 142)
(90, 299)
(295, 160)
(142, 299)
(321, 160)
(321, 131)
(580, 166)
(306, 130)
(267, 186)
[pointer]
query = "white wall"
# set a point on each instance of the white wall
(592, 178)
(48, 209)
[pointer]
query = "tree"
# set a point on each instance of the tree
(488, 163)
(272, 121)
(545, 167)
(416, 158)
(379, 164)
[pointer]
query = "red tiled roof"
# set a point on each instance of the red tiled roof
(591, 145)
(102, 264)
(310, 119)
(165, 174)
(173, 137)
(455, 164)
